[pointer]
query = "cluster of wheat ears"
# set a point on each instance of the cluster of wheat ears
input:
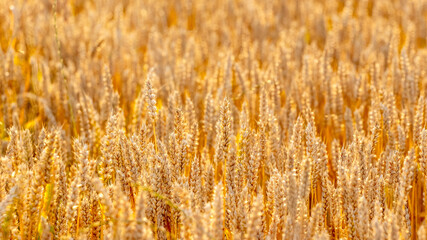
(226, 119)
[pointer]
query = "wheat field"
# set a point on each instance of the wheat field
(224, 119)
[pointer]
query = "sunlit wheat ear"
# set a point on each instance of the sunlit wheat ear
(150, 96)
(60, 195)
(72, 208)
(110, 98)
(223, 135)
(217, 224)
(196, 185)
(255, 219)
(7, 201)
